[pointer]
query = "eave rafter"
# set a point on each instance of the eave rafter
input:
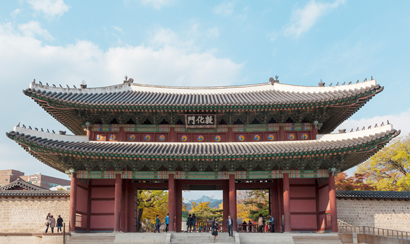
(339, 158)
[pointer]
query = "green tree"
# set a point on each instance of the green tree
(389, 169)
(256, 202)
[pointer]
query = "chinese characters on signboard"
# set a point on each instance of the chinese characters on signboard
(200, 121)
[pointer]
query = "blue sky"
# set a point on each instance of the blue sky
(199, 43)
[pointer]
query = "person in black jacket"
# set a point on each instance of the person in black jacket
(214, 229)
(59, 223)
(189, 223)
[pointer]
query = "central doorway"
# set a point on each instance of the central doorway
(203, 206)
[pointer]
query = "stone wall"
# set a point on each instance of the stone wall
(394, 215)
(27, 214)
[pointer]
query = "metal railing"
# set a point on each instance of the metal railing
(345, 228)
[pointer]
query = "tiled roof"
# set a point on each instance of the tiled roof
(146, 95)
(44, 193)
(392, 195)
(23, 184)
(326, 144)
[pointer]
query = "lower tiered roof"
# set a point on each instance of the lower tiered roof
(340, 151)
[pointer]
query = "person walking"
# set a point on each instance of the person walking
(59, 224)
(52, 223)
(47, 222)
(157, 224)
(214, 229)
(194, 222)
(260, 223)
(229, 224)
(272, 223)
(166, 222)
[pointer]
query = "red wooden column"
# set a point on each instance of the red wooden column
(332, 202)
(73, 201)
(286, 201)
(171, 202)
(225, 205)
(273, 205)
(178, 200)
(117, 203)
(232, 201)
(280, 203)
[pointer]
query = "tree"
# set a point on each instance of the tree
(253, 203)
(203, 212)
(389, 169)
(150, 203)
(352, 183)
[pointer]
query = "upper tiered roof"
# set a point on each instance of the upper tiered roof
(342, 151)
(341, 101)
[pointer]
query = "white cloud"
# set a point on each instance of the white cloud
(157, 4)
(164, 60)
(305, 18)
(15, 12)
(399, 122)
(50, 8)
(224, 8)
(118, 29)
(33, 28)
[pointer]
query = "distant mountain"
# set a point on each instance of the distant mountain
(214, 202)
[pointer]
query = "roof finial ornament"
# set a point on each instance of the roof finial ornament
(273, 81)
(54, 85)
(29, 127)
(388, 122)
(48, 131)
(53, 131)
(369, 127)
(74, 87)
(375, 126)
(350, 83)
(344, 83)
(18, 125)
(351, 130)
(128, 81)
(337, 83)
(321, 83)
(40, 83)
(342, 131)
(365, 79)
(364, 127)
(47, 85)
(382, 124)
(371, 77)
(42, 130)
(61, 86)
(357, 129)
(83, 84)
(24, 126)
(357, 81)
(68, 87)
(35, 128)
(34, 81)
(330, 84)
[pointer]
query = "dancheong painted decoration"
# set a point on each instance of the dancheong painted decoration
(264, 136)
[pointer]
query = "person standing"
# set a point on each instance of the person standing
(166, 222)
(59, 223)
(189, 223)
(272, 223)
(52, 223)
(229, 224)
(214, 229)
(260, 223)
(194, 221)
(47, 222)
(250, 226)
(157, 224)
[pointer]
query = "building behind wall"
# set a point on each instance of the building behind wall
(44, 181)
